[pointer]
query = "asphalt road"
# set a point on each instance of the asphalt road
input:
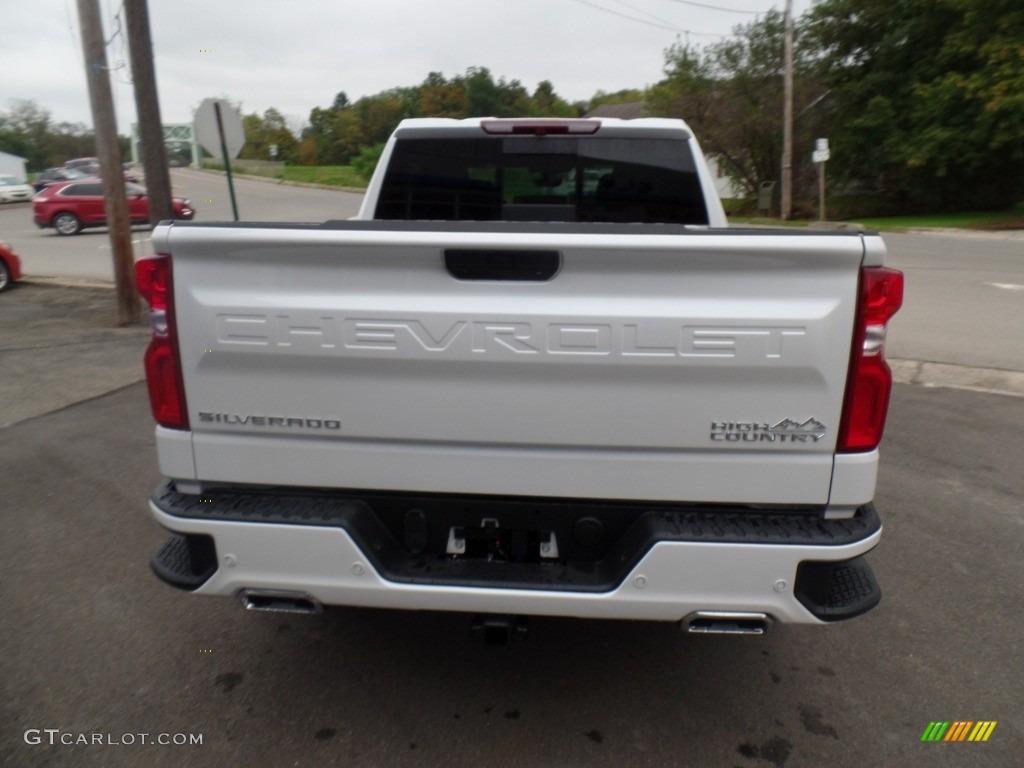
(93, 643)
(86, 257)
(964, 301)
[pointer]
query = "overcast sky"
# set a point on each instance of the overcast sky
(297, 54)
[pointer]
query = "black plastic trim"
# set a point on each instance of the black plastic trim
(502, 264)
(838, 590)
(185, 561)
(405, 535)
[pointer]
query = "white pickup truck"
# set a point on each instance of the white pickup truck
(537, 375)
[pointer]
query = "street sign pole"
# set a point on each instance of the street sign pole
(820, 156)
(227, 161)
(821, 191)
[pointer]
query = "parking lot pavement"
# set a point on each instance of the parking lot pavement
(60, 345)
(94, 644)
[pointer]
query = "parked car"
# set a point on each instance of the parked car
(87, 165)
(14, 191)
(91, 166)
(129, 173)
(55, 175)
(72, 206)
(10, 266)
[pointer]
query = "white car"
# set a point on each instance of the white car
(14, 191)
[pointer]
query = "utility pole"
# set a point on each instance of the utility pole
(787, 116)
(109, 154)
(147, 106)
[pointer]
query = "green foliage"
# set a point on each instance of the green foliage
(922, 100)
(332, 175)
(366, 161)
(731, 95)
(927, 97)
(991, 220)
(262, 133)
(626, 96)
(27, 130)
(343, 132)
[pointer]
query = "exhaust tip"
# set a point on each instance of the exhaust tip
(279, 601)
(726, 623)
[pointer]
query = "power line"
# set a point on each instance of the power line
(675, 29)
(631, 18)
(645, 13)
(718, 8)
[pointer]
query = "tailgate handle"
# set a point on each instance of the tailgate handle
(497, 264)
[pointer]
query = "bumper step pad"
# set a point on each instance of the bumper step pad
(838, 590)
(185, 562)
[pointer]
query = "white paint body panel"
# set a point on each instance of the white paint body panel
(603, 382)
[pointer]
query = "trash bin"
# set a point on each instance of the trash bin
(768, 197)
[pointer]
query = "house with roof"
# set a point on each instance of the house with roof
(12, 165)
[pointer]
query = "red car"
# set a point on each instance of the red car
(72, 206)
(10, 267)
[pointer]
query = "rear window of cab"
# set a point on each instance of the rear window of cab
(596, 179)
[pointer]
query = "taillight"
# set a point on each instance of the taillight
(541, 126)
(163, 366)
(870, 380)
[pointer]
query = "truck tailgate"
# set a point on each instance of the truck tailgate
(655, 364)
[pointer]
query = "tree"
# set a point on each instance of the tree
(687, 92)
(25, 131)
(730, 93)
(483, 95)
(927, 97)
(380, 114)
(546, 103)
(625, 96)
(514, 101)
(261, 133)
(442, 98)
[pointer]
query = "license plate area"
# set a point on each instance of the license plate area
(492, 543)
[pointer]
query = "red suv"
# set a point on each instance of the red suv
(10, 266)
(72, 206)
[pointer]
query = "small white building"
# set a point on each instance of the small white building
(727, 187)
(12, 165)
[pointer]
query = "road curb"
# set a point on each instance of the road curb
(66, 282)
(928, 374)
(968, 234)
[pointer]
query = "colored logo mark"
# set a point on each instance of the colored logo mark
(958, 730)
